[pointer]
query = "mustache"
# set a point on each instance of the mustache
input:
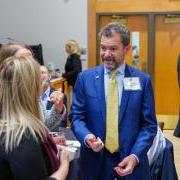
(108, 59)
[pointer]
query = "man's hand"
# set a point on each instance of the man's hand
(57, 98)
(94, 143)
(126, 166)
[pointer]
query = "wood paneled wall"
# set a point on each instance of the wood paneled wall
(114, 6)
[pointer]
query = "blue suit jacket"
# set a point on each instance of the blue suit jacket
(137, 121)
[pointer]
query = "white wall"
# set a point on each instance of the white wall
(49, 22)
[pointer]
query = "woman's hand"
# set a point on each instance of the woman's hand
(62, 172)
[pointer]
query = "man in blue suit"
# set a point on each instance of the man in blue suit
(137, 124)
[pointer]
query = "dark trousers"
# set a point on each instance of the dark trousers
(177, 130)
(110, 161)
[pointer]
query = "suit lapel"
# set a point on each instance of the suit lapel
(99, 86)
(125, 94)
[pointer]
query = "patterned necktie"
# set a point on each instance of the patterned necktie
(112, 139)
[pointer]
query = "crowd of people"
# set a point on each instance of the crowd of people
(112, 114)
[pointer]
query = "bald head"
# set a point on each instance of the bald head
(17, 50)
(23, 52)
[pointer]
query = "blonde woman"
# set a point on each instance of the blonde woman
(73, 63)
(27, 152)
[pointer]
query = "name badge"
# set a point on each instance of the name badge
(132, 83)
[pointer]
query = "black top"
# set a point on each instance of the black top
(72, 68)
(26, 162)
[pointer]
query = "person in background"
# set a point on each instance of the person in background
(73, 63)
(47, 98)
(19, 49)
(14, 49)
(116, 128)
(27, 151)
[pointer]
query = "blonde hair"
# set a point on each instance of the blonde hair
(19, 100)
(73, 47)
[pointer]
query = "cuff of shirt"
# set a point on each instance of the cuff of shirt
(136, 157)
(85, 140)
(63, 110)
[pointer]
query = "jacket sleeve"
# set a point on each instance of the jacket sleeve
(77, 114)
(53, 119)
(148, 126)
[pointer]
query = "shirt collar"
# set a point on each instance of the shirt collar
(120, 69)
(47, 91)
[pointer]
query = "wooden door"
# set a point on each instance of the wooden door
(167, 48)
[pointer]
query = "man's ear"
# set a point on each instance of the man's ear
(127, 48)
